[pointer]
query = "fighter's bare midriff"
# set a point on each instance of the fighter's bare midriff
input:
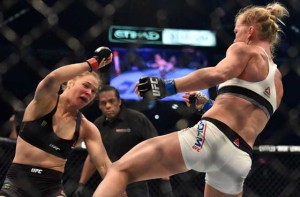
(30, 155)
(240, 115)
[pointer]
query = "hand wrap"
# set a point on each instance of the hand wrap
(202, 99)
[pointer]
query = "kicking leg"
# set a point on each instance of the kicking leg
(154, 158)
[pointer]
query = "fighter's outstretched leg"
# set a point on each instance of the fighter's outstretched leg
(154, 158)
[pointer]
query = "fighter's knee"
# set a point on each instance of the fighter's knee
(119, 170)
(115, 168)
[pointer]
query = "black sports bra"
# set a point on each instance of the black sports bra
(40, 134)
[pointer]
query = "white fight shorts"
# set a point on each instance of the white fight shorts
(212, 147)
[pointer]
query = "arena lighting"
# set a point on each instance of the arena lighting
(150, 35)
(204, 38)
(277, 148)
(256, 149)
(175, 106)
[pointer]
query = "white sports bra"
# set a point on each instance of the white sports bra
(261, 93)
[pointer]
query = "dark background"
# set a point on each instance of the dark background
(39, 36)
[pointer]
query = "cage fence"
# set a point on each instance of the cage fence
(39, 36)
(275, 173)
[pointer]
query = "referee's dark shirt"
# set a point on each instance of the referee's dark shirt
(129, 128)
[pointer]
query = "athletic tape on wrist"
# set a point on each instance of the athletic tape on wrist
(207, 105)
(93, 64)
(170, 87)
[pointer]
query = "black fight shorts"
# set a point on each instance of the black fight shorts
(31, 181)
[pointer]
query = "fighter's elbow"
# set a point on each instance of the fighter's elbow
(102, 169)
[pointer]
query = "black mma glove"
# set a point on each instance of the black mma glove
(154, 88)
(99, 54)
(79, 192)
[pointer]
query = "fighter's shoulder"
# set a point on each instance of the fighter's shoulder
(242, 48)
(89, 131)
(238, 46)
(87, 124)
(278, 73)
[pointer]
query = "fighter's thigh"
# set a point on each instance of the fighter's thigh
(155, 157)
(230, 178)
(198, 146)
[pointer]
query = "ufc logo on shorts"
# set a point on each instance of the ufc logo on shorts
(36, 170)
(154, 86)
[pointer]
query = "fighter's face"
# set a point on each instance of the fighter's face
(82, 90)
(241, 32)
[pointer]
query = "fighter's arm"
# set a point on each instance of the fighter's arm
(47, 90)
(87, 171)
(234, 63)
(46, 93)
(96, 149)
(50, 85)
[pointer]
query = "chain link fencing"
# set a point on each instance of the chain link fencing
(275, 173)
(39, 36)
